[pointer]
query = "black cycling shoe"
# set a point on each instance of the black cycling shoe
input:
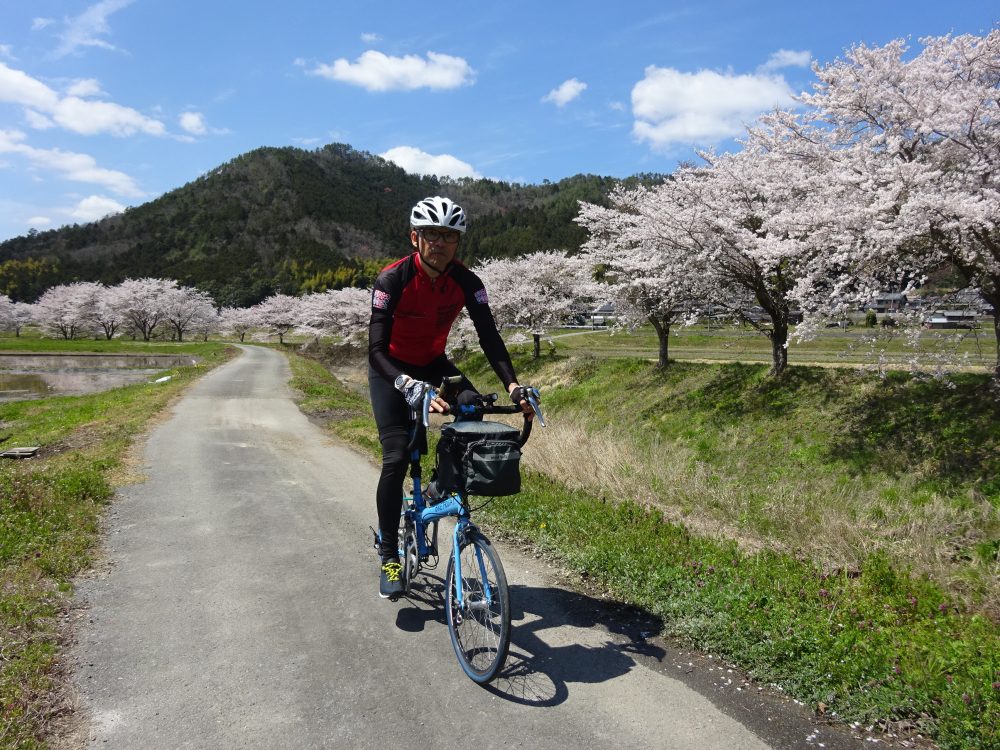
(390, 582)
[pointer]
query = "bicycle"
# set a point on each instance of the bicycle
(477, 601)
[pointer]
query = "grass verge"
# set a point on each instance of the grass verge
(50, 513)
(862, 630)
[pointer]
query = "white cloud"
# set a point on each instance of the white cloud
(39, 221)
(85, 87)
(90, 117)
(415, 161)
(376, 71)
(37, 120)
(566, 92)
(370, 38)
(86, 29)
(672, 107)
(38, 24)
(786, 58)
(71, 112)
(193, 122)
(17, 87)
(95, 207)
(616, 106)
(72, 166)
(7, 51)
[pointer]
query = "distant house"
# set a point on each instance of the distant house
(886, 302)
(601, 315)
(952, 319)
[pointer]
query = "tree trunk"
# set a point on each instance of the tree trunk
(663, 334)
(538, 344)
(779, 347)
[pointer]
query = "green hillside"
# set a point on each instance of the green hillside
(290, 220)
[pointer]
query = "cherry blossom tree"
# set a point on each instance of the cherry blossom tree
(924, 136)
(205, 322)
(22, 314)
(770, 224)
(109, 315)
(143, 304)
(280, 314)
(652, 281)
(6, 313)
(341, 313)
(238, 320)
(534, 292)
(186, 309)
(69, 309)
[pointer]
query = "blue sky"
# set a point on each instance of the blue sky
(110, 104)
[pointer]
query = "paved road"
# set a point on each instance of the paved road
(239, 610)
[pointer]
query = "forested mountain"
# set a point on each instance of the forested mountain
(290, 220)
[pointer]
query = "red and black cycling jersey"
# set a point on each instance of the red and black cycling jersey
(412, 315)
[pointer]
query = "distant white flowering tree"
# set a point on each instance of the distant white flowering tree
(205, 322)
(238, 320)
(280, 314)
(185, 309)
(6, 313)
(22, 314)
(340, 313)
(69, 310)
(109, 314)
(651, 281)
(143, 304)
(535, 292)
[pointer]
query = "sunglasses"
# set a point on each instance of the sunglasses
(450, 236)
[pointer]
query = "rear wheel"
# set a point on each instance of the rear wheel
(409, 561)
(480, 625)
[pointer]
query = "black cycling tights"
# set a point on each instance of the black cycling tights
(392, 415)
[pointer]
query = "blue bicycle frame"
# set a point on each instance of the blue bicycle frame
(421, 515)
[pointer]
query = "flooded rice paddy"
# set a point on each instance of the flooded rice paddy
(27, 376)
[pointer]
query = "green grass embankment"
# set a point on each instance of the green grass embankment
(829, 533)
(50, 512)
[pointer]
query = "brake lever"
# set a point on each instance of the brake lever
(429, 396)
(533, 397)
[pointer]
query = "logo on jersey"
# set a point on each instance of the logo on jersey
(481, 297)
(380, 299)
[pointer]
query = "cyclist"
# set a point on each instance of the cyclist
(415, 301)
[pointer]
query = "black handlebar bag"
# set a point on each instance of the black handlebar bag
(479, 458)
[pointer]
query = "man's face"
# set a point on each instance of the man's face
(437, 247)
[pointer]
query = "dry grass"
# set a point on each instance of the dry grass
(835, 524)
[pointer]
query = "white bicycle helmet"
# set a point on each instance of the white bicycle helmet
(438, 212)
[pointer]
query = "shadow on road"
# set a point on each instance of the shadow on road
(541, 665)
(424, 604)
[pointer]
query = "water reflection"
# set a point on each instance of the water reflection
(24, 376)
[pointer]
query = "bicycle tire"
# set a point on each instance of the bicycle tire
(480, 630)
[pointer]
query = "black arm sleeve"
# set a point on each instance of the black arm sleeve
(385, 297)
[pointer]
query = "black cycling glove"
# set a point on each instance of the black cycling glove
(522, 392)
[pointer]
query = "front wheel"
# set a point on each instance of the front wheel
(480, 625)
